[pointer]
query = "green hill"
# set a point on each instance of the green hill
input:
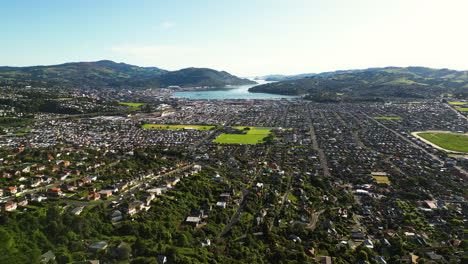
(107, 73)
(390, 81)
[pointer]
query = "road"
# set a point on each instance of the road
(245, 192)
(313, 137)
(414, 144)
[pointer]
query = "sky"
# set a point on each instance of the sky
(243, 37)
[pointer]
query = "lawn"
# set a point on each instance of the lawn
(63, 99)
(387, 117)
(132, 106)
(455, 142)
(256, 130)
(458, 103)
(381, 179)
(240, 139)
(175, 127)
(462, 109)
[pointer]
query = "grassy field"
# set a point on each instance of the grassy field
(132, 106)
(240, 138)
(172, 127)
(253, 135)
(381, 179)
(63, 99)
(458, 103)
(462, 109)
(454, 142)
(387, 117)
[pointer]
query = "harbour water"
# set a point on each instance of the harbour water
(234, 92)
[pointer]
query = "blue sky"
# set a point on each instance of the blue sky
(244, 37)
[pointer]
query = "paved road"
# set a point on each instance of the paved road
(245, 192)
(414, 144)
(322, 157)
(457, 112)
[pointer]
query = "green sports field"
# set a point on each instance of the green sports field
(458, 103)
(454, 142)
(239, 139)
(174, 127)
(253, 135)
(462, 109)
(132, 106)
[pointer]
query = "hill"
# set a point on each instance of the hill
(107, 73)
(390, 81)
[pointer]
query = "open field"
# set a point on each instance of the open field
(255, 130)
(381, 179)
(448, 141)
(132, 106)
(162, 126)
(387, 117)
(63, 99)
(458, 103)
(240, 138)
(462, 109)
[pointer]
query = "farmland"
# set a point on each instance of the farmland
(454, 142)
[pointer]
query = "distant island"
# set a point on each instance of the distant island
(109, 74)
(418, 82)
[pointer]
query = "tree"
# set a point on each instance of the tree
(124, 251)
(363, 255)
(6, 242)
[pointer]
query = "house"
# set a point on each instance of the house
(22, 201)
(116, 216)
(205, 242)
(98, 245)
(433, 256)
(225, 196)
(10, 206)
(324, 259)
(86, 180)
(162, 259)
(11, 190)
(128, 209)
(194, 221)
(39, 198)
(368, 243)
(105, 193)
(77, 210)
(47, 257)
(140, 204)
(221, 204)
(380, 260)
(411, 258)
(54, 192)
(93, 196)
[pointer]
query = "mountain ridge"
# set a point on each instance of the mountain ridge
(411, 81)
(107, 73)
